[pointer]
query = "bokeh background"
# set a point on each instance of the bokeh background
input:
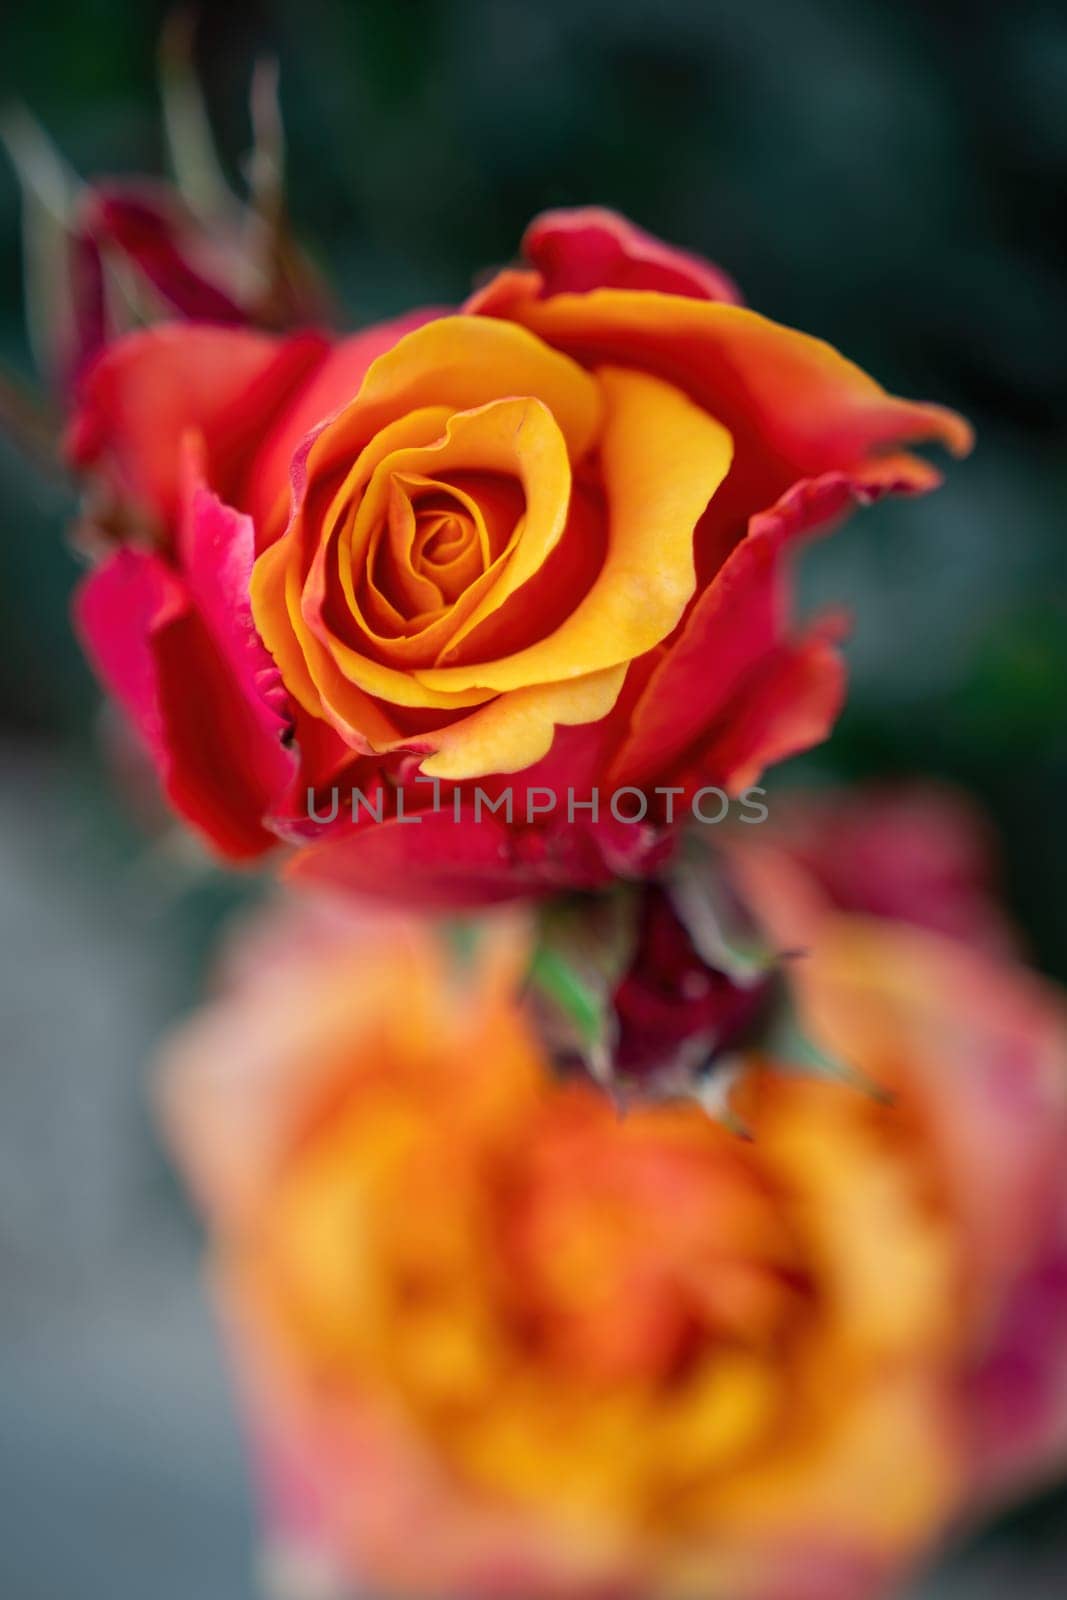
(886, 173)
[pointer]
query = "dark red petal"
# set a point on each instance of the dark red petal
(790, 704)
(1017, 1397)
(117, 609)
(911, 852)
(732, 659)
(153, 652)
(430, 862)
(148, 224)
(592, 248)
(216, 555)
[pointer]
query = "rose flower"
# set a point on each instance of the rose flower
(533, 549)
(494, 1339)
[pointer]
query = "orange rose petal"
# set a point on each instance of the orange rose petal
(422, 427)
(303, 609)
(495, 516)
(502, 291)
(342, 699)
(515, 730)
(396, 535)
(269, 587)
(544, 472)
(848, 1475)
(303, 661)
(277, 590)
(331, 386)
(800, 397)
(516, 436)
(991, 1076)
(447, 546)
(552, 593)
(351, 555)
(663, 459)
(463, 363)
(415, 641)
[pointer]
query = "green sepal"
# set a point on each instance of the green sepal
(583, 947)
(722, 932)
(788, 1044)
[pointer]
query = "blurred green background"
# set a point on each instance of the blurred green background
(887, 174)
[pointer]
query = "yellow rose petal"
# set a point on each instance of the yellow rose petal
(515, 730)
(663, 458)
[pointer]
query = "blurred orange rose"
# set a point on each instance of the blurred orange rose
(495, 1340)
